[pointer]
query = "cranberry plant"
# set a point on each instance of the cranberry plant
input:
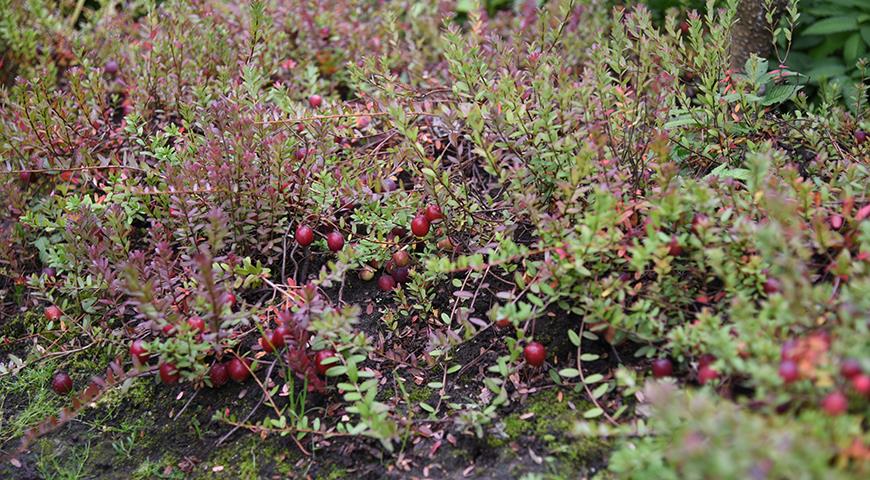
(322, 204)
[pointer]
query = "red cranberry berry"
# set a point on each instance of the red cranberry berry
(684, 27)
(111, 67)
(53, 313)
(386, 282)
(860, 137)
(304, 235)
(420, 226)
(850, 368)
(835, 403)
(239, 370)
(168, 373)
(861, 384)
(319, 359)
(535, 354)
(401, 274)
(315, 101)
(706, 359)
(196, 323)
(674, 248)
(279, 336)
(138, 351)
(61, 383)
(662, 367)
(706, 374)
(433, 213)
(219, 375)
(771, 286)
(335, 241)
(230, 299)
(266, 343)
(788, 371)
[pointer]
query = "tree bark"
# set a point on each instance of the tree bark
(750, 34)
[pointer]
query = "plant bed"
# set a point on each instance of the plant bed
(389, 239)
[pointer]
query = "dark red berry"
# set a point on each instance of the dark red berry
(111, 67)
(266, 343)
(861, 384)
(535, 354)
(788, 371)
(315, 101)
(138, 351)
(53, 313)
(230, 299)
(401, 274)
(860, 137)
(850, 368)
(24, 177)
(771, 286)
(706, 374)
(706, 359)
(386, 282)
(219, 375)
(304, 235)
(335, 241)
(279, 336)
(835, 403)
(168, 373)
(662, 367)
(319, 359)
(684, 27)
(168, 329)
(61, 383)
(503, 322)
(420, 226)
(674, 248)
(401, 258)
(239, 370)
(196, 323)
(433, 213)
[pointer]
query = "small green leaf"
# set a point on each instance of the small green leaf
(593, 413)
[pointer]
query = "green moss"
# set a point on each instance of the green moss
(550, 423)
(335, 473)
(249, 456)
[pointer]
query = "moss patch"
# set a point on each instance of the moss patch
(549, 421)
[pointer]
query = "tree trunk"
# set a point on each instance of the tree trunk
(750, 34)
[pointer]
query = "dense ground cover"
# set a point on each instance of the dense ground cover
(423, 239)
